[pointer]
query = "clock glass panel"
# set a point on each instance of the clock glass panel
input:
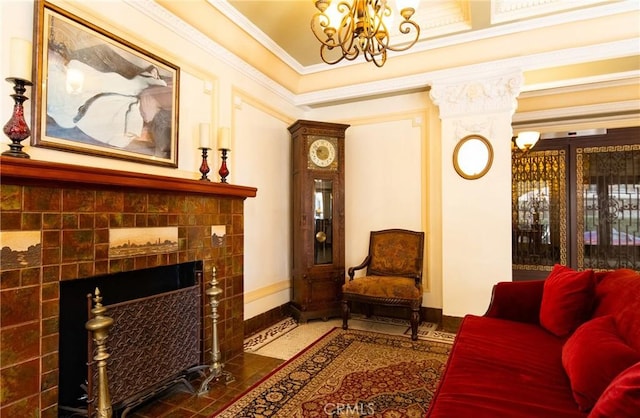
(323, 214)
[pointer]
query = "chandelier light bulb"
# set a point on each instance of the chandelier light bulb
(334, 17)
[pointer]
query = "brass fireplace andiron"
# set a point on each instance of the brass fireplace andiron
(99, 325)
(215, 369)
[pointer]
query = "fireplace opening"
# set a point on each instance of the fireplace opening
(154, 341)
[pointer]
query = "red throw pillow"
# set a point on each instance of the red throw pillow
(621, 399)
(567, 299)
(592, 357)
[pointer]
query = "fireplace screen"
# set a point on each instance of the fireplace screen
(154, 341)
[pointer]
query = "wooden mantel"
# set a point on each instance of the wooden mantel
(27, 171)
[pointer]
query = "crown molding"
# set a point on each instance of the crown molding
(607, 9)
(181, 28)
(611, 111)
(627, 78)
(510, 10)
(239, 19)
(319, 98)
(482, 70)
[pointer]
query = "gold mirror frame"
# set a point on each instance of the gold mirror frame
(472, 157)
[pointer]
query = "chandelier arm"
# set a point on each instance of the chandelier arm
(327, 60)
(346, 40)
(378, 58)
(323, 48)
(376, 21)
(405, 28)
(322, 21)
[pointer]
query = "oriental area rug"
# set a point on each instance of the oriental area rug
(349, 373)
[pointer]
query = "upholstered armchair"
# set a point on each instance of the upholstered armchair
(393, 276)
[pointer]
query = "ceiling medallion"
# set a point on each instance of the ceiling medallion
(345, 28)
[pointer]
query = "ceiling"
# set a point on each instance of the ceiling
(286, 23)
(553, 42)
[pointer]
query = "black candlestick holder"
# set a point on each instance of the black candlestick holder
(224, 171)
(204, 167)
(16, 128)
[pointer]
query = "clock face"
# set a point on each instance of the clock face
(322, 152)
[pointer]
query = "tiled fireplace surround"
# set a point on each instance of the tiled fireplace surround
(74, 207)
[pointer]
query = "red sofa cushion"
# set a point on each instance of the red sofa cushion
(501, 368)
(567, 299)
(618, 294)
(621, 399)
(593, 356)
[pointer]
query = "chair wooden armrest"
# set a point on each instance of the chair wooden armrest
(352, 270)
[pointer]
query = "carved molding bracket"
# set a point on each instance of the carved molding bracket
(471, 97)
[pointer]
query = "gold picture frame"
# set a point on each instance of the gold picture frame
(472, 157)
(97, 94)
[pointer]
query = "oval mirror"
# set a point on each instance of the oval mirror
(472, 157)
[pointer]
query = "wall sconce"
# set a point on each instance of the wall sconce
(527, 140)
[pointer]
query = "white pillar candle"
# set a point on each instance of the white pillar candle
(20, 59)
(204, 135)
(224, 139)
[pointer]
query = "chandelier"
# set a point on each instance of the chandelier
(345, 28)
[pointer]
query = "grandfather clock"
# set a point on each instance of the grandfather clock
(318, 219)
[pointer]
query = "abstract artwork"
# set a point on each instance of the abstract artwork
(102, 95)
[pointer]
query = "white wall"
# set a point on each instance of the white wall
(398, 161)
(388, 175)
(263, 142)
(476, 223)
(260, 140)
(383, 189)
(392, 177)
(385, 149)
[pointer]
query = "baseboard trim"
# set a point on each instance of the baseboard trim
(266, 319)
(277, 314)
(451, 323)
(433, 315)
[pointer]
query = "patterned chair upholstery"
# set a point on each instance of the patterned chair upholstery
(393, 276)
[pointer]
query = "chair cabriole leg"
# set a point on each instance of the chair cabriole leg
(415, 321)
(345, 314)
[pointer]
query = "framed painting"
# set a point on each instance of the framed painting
(97, 94)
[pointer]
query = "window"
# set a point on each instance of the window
(576, 201)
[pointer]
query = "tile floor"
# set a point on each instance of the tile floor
(247, 369)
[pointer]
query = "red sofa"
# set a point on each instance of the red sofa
(567, 346)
